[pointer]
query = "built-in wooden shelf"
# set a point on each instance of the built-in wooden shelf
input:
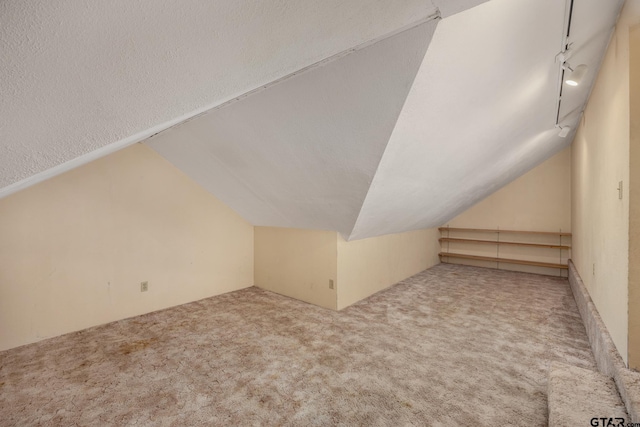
(496, 242)
(488, 230)
(539, 241)
(504, 260)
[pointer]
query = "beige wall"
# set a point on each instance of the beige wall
(74, 249)
(297, 263)
(539, 200)
(600, 160)
(634, 199)
(370, 265)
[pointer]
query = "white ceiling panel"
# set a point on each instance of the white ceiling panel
(482, 110)
(349, 116)
(79, 79)
(302, 153)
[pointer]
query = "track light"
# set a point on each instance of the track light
(564, 131)
(576, 75)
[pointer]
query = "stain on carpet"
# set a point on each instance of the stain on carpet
(130, 347)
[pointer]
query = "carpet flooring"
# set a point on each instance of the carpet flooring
(453, 345)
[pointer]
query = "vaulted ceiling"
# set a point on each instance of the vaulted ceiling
(365, 117)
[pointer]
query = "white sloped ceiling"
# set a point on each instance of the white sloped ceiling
(80, 79)
(482, 110)
(302, 153)
(365, 117)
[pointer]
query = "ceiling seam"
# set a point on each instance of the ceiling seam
(434, 16)
(355, 223)
(232, 174)
(150, 133)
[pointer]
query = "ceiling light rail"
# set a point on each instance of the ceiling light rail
(562, 59)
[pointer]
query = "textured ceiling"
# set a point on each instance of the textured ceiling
(322, 151)
(81, 78)
(350, 116)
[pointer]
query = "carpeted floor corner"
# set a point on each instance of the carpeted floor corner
(453, 345)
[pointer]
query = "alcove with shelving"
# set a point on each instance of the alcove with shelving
(542, 252)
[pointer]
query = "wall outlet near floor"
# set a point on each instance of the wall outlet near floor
(331, 285)
(144, 286)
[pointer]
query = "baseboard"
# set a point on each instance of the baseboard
(607, 357)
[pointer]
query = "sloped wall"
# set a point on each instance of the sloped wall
(74, 249)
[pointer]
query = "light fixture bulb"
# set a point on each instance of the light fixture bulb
(577, 75)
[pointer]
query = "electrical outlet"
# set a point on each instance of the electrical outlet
(144, 286)
(594, 269)
(331, 286)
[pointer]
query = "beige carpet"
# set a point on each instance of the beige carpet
(577, 396)
(453, 345)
